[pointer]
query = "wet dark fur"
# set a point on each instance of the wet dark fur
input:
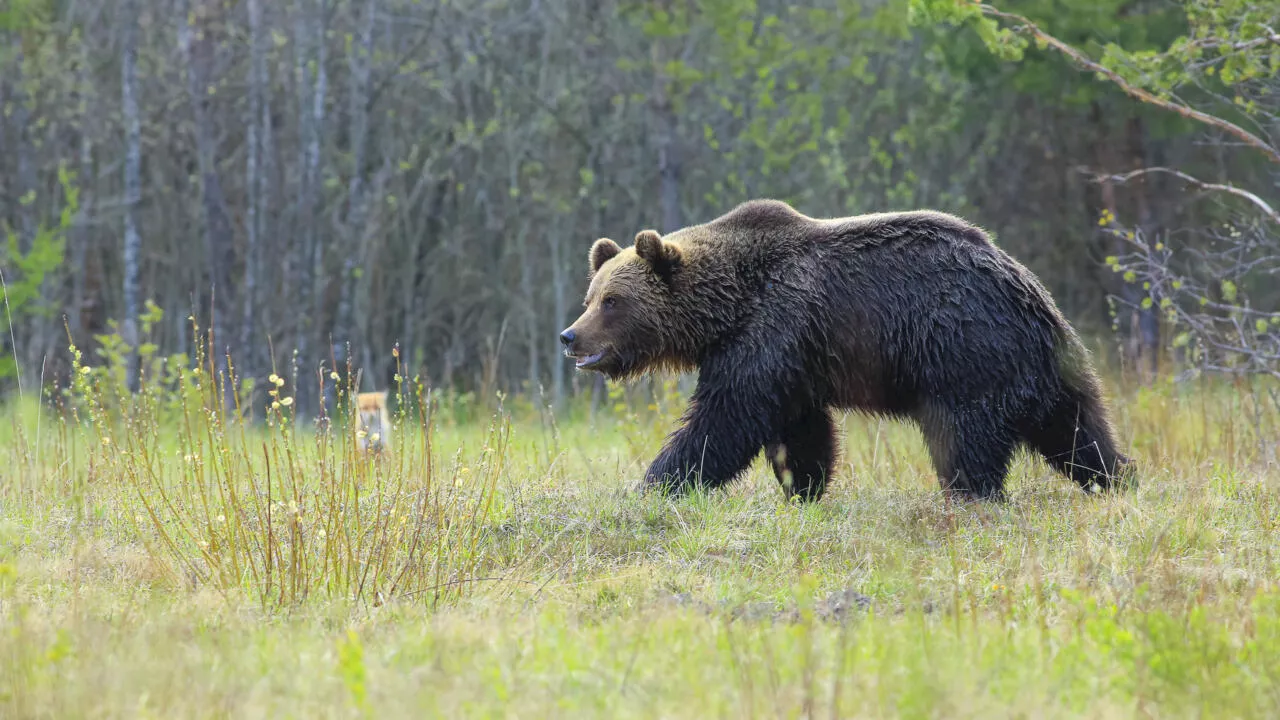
(910, 315)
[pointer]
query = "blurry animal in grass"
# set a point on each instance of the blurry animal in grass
(373, 425)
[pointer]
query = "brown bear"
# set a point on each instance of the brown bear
(912, 315)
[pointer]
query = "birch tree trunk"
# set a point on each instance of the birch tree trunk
(253, 187)
(296, 258)
(318, 97)
(132, 181)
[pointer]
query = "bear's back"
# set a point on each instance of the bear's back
(776, 221)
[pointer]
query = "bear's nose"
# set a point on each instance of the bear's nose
(567, 337)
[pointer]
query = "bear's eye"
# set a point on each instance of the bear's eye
(609, 302)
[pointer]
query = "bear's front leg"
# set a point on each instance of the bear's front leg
(703, 453)
(724, 429)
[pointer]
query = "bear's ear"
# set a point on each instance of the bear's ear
(602, 251)
(662, 255)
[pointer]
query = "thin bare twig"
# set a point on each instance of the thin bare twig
(13, 342)
(1215, 187)
(1089, 64)
(1270, 38)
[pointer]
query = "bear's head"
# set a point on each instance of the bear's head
(631, 321)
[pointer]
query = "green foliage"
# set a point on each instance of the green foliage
(1223, 48)
(1099, 28)
(352, 667)
(23, 15)
(1003, 42)
(167, 385)
(764, 90)
(25, 273)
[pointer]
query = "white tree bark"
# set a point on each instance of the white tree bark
(132, 180)
(254, 184)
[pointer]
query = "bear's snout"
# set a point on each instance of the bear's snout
(567, 337)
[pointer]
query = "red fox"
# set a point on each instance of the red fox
(373, 427)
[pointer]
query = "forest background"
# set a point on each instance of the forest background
(314, 179)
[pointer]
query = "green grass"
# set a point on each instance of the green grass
(502, 566)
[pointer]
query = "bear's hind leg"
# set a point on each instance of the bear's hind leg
(1076, 441)
(970, 452)
(803, 456)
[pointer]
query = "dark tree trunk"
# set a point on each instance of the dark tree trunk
(1111, 157)
(198, 51)
(79, 239)
(1145, 327)
(358, 133)
(309, 34)
(21, 114)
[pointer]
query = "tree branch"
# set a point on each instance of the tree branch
(1270, 38)
(1216, 187)
(1086, 62)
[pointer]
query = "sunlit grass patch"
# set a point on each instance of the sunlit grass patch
(159, 557)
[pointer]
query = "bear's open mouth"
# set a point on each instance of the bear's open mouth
(587, 360)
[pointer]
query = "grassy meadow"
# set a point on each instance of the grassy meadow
(159, 561)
